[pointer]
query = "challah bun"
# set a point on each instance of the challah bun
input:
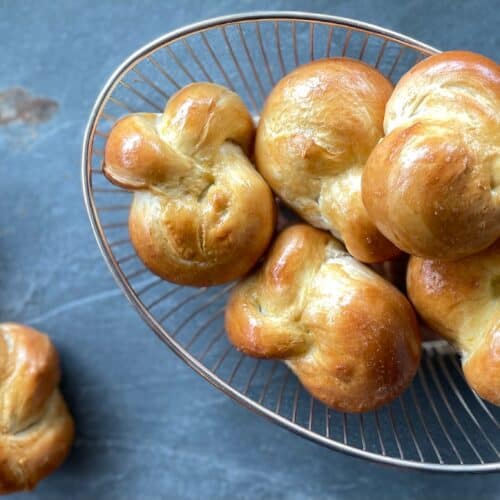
(460, 300)
(317, 128)
(350, 337)
(36, 429)
(201, 214)
(432, 185)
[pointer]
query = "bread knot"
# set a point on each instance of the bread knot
(432, 184)
(201, 214)
(36, 429)
(350, 337)
(460, 300)
(317, 128)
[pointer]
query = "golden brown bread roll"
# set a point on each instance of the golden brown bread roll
(349, 336)
(317, 128)
(201, 214)
(461, 301)
(36, 429)
(432, 185)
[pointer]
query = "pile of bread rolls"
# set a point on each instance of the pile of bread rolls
(373, 171)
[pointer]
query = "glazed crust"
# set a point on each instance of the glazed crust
(316, 131)
(201, 214)
(36, 429)
(460, 300)
(350, 336)
(432, 185)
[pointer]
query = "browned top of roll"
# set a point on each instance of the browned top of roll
(349, 335)
(317, 128)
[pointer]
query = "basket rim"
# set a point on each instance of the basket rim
(129, 291)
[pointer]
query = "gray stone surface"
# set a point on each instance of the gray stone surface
(149, 427)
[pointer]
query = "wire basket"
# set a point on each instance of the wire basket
(438, 423)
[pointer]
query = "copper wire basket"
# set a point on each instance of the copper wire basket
(438, 423)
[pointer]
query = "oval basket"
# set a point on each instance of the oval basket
(438, 423)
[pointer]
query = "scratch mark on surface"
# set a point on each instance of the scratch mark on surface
(230, 468)
(55, 130)
(25, 299)
(72, 304)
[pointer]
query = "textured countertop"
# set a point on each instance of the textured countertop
(148, 426)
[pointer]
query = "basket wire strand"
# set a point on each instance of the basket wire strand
(438, 423)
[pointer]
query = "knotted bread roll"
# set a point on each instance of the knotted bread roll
(432, 185)
(36, 429)
(460, 300)
(350, 337)
(201, 214)
(317, 128)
